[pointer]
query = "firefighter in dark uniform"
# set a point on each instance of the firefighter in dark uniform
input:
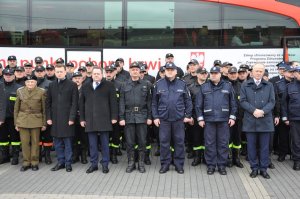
(11, 62)
(235, 142)
(122, 75)
(135, 115)
(170, 59)
(20, 75)
(171, 108)
(216, 111)
(8, 133)
(283, 129)
(224, 70)
(70, 70)
(291, 116)
(80, 141)
(197, 131)
(115, 135)
(190, 79)
(150, 128)
(148, 77)
(85, 78)
(27, 69)
(46, 141)
(50, 73)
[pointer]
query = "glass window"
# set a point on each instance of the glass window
(72, 23)
(249, 27)
(13, 22)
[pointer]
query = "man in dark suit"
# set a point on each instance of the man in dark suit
(62, 103)
(98, 112)
(258, 100)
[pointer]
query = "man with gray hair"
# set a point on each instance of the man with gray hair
(258, 100)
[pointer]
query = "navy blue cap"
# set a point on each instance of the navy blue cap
(8, 71)
(162, 69)
(89, 63)
(170, 65)
(60, 61)
(70, 64)
(297, 69)
(201, 70)
(77, 74)
(38, 59)
(82, 68)
(215, 69)
(40, 68)
(27, 64)
(217, 63)
(194, 61)
(110, 67)
(20, 68)
(12, 57)
(134, 65)
(232, 70)
(226, 64)
(282, 65)
(50, 66)
(31, 77)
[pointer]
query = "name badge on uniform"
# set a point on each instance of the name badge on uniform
(225, 91)
(179, 90)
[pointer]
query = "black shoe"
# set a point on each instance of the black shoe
(163, 169)
(105, 169)
(296, 166)
(179, 170)
(141, 169)
(24, 168)
(222, 171)
(271, 166)
(34, 167)
(91, 169)
(210, 171)
(281, 158)
(254, 174)
(58, 167)
(264, 174)
(238, 163)
(130, 168)
(68, 168)
(229, 163)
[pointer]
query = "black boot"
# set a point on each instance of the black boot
(15, 155)
(113, 156)
(157, 152)
(4, 154)
(83, 156)
(48, 155)
(131, 163)
(141, 165)
(147, 157)
(119, 152)
(136, 155)
(236, 158)
(197, 158)
(190, 155)
(244, 150)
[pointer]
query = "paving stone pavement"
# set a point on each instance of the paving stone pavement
(117, 184)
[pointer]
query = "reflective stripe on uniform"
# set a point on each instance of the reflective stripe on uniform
(48, 144)
(236, 146)
(149, 147)
(114, 145)
(12, 98)
(15, 143)
(4, 143)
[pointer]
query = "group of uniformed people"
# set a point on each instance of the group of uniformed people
(217, 114)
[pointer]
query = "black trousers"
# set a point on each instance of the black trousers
(295, 135)
(8, 133)
(284, 138)
(46, 138)
(115, 136)
(133, 131)
(197, 137)
(81, 137)
(235, 141)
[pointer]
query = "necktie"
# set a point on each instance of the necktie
(257, 83)
(97, 84)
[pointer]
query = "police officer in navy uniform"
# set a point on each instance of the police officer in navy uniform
(216, 111)
(196, 130)
(235, 144)
(280, 68)
(171, 108)
(282, 129)
(8, 134)
(291, 115)
(115, 134)
(135, 115)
